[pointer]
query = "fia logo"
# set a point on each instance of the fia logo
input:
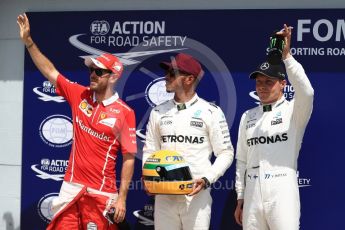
(44, 207)
(56, 130)
(47, 93)
(99, 27)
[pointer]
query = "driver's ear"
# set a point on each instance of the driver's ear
(283, 83)
(190, 79)
(113, 78)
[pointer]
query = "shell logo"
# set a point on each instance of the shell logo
(83, 105)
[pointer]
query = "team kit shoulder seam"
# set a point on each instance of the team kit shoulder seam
(164, 107)
(123, 105)
(252, 110)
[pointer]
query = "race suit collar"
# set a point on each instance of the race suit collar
(182, 106)
(108, 101)
(269, 107)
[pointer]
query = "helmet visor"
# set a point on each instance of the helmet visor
(177, 172)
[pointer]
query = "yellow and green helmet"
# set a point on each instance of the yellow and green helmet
(166, 172)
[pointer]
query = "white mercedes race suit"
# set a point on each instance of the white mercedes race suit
(195, 130)
(267, 151)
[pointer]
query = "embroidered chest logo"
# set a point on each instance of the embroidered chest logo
(277, 119)
(166, 120)
(114, 110)
(197, 113)
(250, 125)
(198, 124)
(252, 121)
(105, 119)
(86, 108)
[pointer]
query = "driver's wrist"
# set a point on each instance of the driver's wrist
(29, 42)
(206, 182)
(29, 45)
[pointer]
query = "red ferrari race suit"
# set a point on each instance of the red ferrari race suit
(99, 131)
